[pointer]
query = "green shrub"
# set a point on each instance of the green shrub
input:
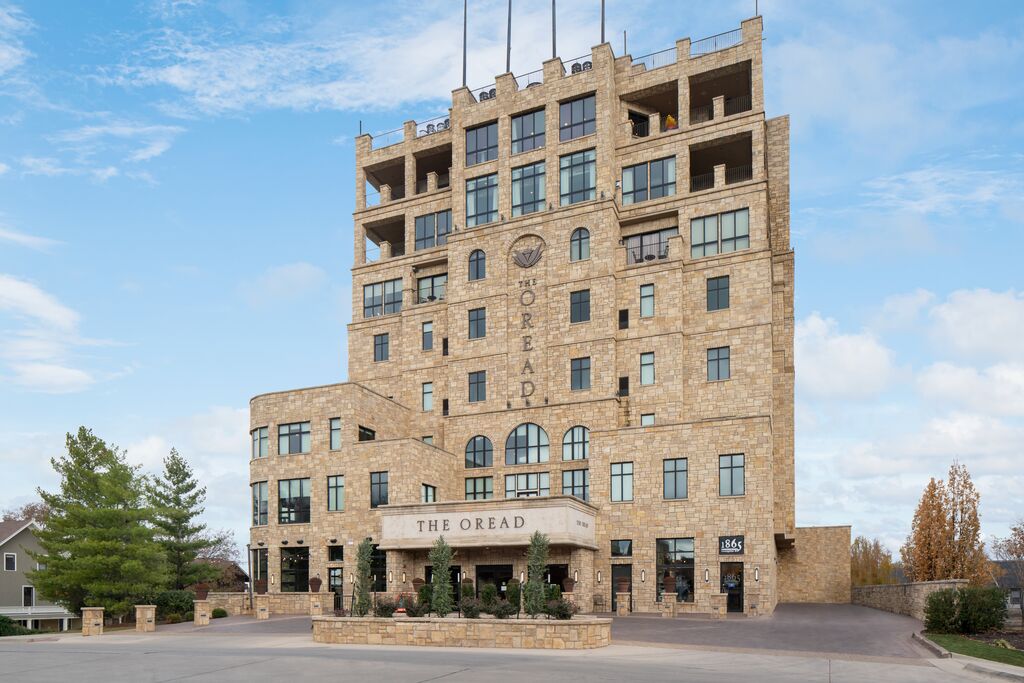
(440, 557)
(9, 628)
(552, 592)
(560, 609)
(489, 596)
(384, 607)
(504, 609)
(467, 589)
(536, 562)
(471, 608)
(513, 593)
(190, 616)
(173, 618)
(416, 609)
(219, 613)
(940, 612)
(173, 602)
(981, 609)
(423, 599)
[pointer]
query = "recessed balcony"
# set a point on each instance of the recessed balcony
(730, 157)
(720, 93)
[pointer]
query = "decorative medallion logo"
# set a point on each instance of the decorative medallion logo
(529, 257)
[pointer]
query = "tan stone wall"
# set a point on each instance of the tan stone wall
(92, 621)
(233, 603)
(574, 634)
(902, 598)
(817, 567)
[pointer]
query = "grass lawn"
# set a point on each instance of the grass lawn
(974, 648)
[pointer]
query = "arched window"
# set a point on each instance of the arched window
(525, 444)
(477, 265)
(576, 444)
(579, 245)
(479, 452)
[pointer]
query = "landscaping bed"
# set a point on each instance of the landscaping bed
(981, 646)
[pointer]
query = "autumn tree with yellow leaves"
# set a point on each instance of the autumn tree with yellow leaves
(870, 563)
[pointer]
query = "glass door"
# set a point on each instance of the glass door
(622, 573)
(732, 585)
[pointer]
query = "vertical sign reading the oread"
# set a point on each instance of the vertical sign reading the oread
(525, 330)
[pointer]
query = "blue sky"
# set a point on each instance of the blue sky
(176, 189)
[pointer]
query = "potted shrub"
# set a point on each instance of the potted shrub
(314, 584)
(202, 591)
(260, 585)
(622, 585)
(417, 583)
(668, 585)
(568, 584)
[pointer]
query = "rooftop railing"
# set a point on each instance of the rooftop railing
(387, 138)
(706, 46)
(488, 92)
(529, 80)
(578, 65)
(656, 60)
(734, 105)
(434, 125)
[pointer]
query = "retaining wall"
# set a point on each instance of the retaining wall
(901, 598)
(233, 603)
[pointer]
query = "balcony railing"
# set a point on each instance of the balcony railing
(443, 180)
(715, 43)
(702, 181)
(387, 138)
(701, 114)
(656, 60)
(737, 174)
(529, 80)
(734, 105)
(372, 199)
(641, 128)
(578, 65)
(434, 125)
(644, 253)
(488, 92)
(430, 296)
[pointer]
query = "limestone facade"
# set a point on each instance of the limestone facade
(648, 332)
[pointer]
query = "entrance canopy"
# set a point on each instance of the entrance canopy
(565, 520)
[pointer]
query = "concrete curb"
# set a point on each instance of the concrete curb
(934, 648)
(994, 673)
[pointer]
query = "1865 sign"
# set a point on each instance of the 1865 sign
(730, 545)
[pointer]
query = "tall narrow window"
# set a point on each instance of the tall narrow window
(428, 493)
(528, 189)
(479, 452)
(577, 177)
(634, 184)
(674, 478)
(293, 501)
(260, 443)
(647, 368)
(335, 425)
(477, 323)
(380, 347)
(576, 483)
(477, 265)
(579, 374)
(427, 335)
(481, 144)
(646, 301)
(730, 475)
(718, 293)
(577, 118)
(259, 503)
(576, 444)
(336, 493)
(527, 443)
(579, 245)
(718, 364)
(528, 131)
(579, 306)
(479, 488)
(293, 438)
(481, 200)
(378, 489)
(427, 396)
(622, 481)
(478, 386)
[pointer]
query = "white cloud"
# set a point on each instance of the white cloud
(996, 390)
(26, 240)
(4, 168)
(903, 310)
(44, 166)
(282, 283)
(143, 141)
(840, 366)
(50, 378)
(13, 25)
(945, 189)
(27, 300)
(981, 323)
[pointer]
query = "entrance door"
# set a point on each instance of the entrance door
(453, 572)
(28, 596)
(622, 571)
(732, 584)
(498, 574)
(556, 574)
(335, 584)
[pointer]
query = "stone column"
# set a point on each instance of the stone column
(753, 602)
(319, 602)
(622, 604)
(718, 103)
(669, 606)
(720, 175)
(145, 618)
(201, 612)
(92, 621)
(719, 602)
(262, 606)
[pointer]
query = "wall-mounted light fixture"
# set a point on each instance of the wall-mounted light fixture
(757, 573)
(643, 575)
(391, 577)
(352, 579)
(522, 577)
(334, 540)
(403, 577)
(284, 542)
(299, 541)
(259, 543)
(272, 577)
(599, 576)
(576, 575)
(707, 575)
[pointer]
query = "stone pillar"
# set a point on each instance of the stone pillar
(669, 606)
(92, 621)
(720, 175)
(719, 602)
(201, 612)
(385, 193)
(262, 606)
(718, 103)
(431, 181)
(753, 603)
(145, 618)
(622, 604)
(319, 603)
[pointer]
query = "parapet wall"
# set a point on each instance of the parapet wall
(817, 567)
(574, 634)
(233, 603)
(902, 598)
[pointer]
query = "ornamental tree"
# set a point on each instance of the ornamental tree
(441, 600)
(536, 563)
(363, 561)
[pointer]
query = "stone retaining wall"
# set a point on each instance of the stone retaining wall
(575, 634)
(902, 598)
(233, 603)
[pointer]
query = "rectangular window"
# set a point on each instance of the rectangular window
(730, 475)
(428, 335)
(646, 301)
(429, 440)
(444, 346)
(382, 298)
(336, 493)
(528, 131)
(378, 489)
(622, 548)
(335, 553)
(527, 485)
(649, 181)
(482, 200)
(579, 379)
(718, 293)
(260, 442)
(579, 306)
(335, 424)
(260, 502)
(432, 230)
(634, 184)
(294, 570)
(718, 364)
(674, 478)
(380, 347)
(431, 288)
(647, 420)
(624, 385)
(479, 488)
(663, 178)
(427, 397)
(577, 177)
(293, 438)
(477, 323)
(481, 144)
(428, 493)
(622, 481)
(528, 189)
(720, 234)
(647, 368)
(675, 561)
(577, 118)
(648, 246)
(576, 483)
(478, 386)
(366, 434)
(293, 501)
(623, 318)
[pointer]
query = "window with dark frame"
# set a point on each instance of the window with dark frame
(479, 452)
(478, 386)
(427, 341)
(577, 118)
(527, 443)
(579, 306)
(646, 301)
(622, 547)
(335, 425)
(366, 434)
(576, 443)
(428, 493)
(293, 501)
(293, 438)
(481, 144)
(579, 245)
(382, 298)
(527, 485)
(427, 397)
(674, 472)
(528, 131)
(730, 475)
(576, 483)
(718, 293)
(623, 318)
(479, 488)
(481, 200)
(648, 246)
(720, 233)
(647, 420)
(622, 482)
(378, 489)
(577, 177)
(647, 368)
(335, 553)
(579, 374)
(477, 265)
(651, 180)
(431, 288)
(380, 347)
(718, 364)
(477, 323)
(432, 230)
(336, 493)
(260, 442)
(528, 193)
(260, 503)
(675, 560)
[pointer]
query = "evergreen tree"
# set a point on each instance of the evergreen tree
(363, 559)
(536, 564)
(98, 549)
(441, 600)
(177, 501)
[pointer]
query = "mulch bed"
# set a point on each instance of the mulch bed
(1015, 638)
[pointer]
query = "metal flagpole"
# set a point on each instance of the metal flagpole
(602, 22)
(508, 41)
(464, 3)
(554, 52)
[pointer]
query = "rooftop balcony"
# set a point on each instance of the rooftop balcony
(721, 162)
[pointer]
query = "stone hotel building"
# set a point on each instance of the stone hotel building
(573, 313)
